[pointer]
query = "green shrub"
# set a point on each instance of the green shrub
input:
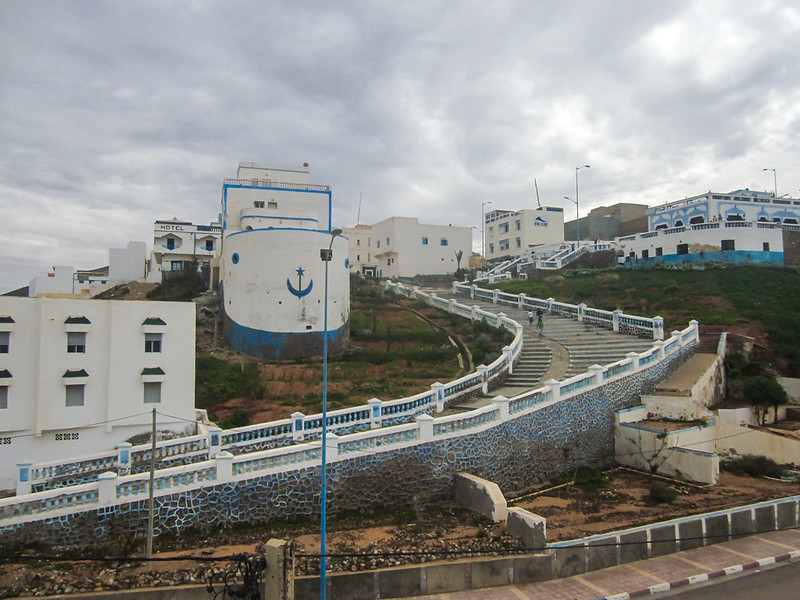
(590, 477)
(239, 418)
(661, 493)
(217, 380)
(755, 466)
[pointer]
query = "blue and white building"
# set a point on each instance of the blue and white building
(509, 234)
(179, 246)
(272, 277)
(738, 227)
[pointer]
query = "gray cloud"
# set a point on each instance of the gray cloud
(116, 114)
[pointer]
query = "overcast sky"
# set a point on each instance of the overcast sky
(114, 114)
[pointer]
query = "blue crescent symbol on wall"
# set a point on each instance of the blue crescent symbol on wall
(299, 292)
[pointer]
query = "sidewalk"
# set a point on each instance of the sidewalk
(641, 579)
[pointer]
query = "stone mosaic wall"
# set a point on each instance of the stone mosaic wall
(515, 454)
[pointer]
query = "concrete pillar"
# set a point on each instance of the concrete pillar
(482, 370)
(451, 305)
(581, 311)
(24, 478)
(279, 574)
(474, 315)
(597, 371)
(616, 317)
(472, 291)
(507, 358)
(550, 302)
(555, 388)
(298, 423)
(332, 443)
(660, 345)
(124, 458)
(107, 488)
(438, 389)
(696, 326)
(214, 441)
(455, 286)
(224, 462)
(634, 358)
(495, 293)
(425, 424)
(521, 301)
(375, 418)
(501, 402)
(658, 328)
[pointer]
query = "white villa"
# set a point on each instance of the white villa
(177, 245)
(511, 234)
(80, 376)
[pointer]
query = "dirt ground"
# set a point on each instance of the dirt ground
(441, 532)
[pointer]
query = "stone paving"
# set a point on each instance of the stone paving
(652, 576)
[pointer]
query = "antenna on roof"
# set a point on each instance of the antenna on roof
(536, 185)
(358, 217)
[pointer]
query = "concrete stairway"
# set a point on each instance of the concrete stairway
(567, 347)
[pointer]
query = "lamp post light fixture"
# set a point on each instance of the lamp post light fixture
(483, 233)
(577, 206)
(774, 181)
(325, 254)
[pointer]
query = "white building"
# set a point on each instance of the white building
(736, 206)
(80, 376)
(124, 264)
(511, 234)
(177, 245)
(404, 247)
(274, 226)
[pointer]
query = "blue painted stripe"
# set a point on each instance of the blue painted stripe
(275, 345)
(281, 229)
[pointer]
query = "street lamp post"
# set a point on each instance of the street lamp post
(325, 254)
(577, 206)
(577, 219)
(774, 181)
(483, 233)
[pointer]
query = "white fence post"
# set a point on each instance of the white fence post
(696, 326)
(597, 373)
(298, 421)
(495, 295)
(482, 369)
(124, 458)
(425, 424)
(634, 358)
(438, 389)
(658, 328)
(521, 301)
(581, 311)
(507, 358)
(451, 305)
(501, 402)
(107, 488)
(224, 462)
(375, 419)
(214, 441)
(332, 444)
(24, 478)
(555, 388)
(616, 316)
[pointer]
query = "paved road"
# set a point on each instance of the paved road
(777, 583)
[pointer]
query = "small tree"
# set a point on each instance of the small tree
(764, 393)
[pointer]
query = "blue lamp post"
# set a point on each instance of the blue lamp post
(325, 254)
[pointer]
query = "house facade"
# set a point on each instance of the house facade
(178, 245)
(275, 225)
(80, 376)
(510, 234)
(404, 247)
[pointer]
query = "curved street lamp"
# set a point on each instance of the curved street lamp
(326, 254)
(775, 181)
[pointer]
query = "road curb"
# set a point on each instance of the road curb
(702, 577)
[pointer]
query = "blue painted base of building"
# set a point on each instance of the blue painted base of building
(282, 345)
(735, 257)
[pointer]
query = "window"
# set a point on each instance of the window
(388, 241)
(4, 339)
(424, 241)
(679, 223)
(152, 392)
(258, 203)
(209, 244)
(358, 242)
(519, 224)
(443, 242)
(519, 243)
(176, 265)
(76, 342)
(728, 245)
(765, 246)
(696, 220)
(502, 228)
(645, 254)
(379, 243)
(491, 248)
(659, 251)
(74, 395)
(3, 396)
(152, 342)
(170, 243)
(503, 245)
(491, 230)
(682, 249)
(272, 204)
(358, 257)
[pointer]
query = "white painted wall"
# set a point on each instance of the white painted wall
(57, 282)
(534, 227)
(115, 356)
(127, 264)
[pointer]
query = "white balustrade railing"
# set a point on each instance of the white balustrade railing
(113, 489)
